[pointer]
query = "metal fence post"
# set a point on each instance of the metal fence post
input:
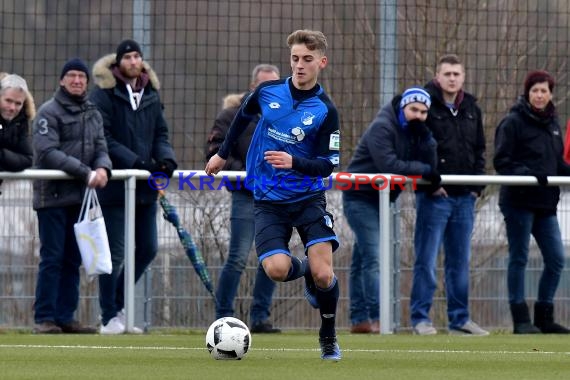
(384, 252)
(130, 187)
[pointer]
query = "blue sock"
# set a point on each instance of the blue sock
(297, 270)
(328, 299)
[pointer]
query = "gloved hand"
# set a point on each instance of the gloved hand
(419, 128)
(142, 165)
(167, 167)
(541, 179)
(433, 177)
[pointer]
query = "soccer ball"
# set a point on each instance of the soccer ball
(228, 338)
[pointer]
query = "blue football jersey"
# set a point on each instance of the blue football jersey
(302, 123)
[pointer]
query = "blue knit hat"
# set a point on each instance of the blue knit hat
(74, 64)
(415, 95)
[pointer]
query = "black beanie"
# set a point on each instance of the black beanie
(125, 47)
(74, 64)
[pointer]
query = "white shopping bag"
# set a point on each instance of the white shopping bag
(91, 236)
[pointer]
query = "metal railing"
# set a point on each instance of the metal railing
(388, 266)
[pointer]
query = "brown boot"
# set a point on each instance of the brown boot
(75, 327)
(363, 327)
(47, 327)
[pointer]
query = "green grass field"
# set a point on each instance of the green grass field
(285, 356)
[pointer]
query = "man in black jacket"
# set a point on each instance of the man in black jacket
(137, 136)
(445, 214)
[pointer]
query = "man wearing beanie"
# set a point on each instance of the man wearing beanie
(127, 95)
(75, 64)
(446, 214)
(67, 135)
(528, 141)
(398, 142)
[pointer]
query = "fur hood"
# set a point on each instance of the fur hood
(232, 100)
(29, 105)
(104, 78)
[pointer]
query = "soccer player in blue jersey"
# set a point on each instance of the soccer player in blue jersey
(295, 145)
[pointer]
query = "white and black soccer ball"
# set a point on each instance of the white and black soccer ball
(228, 338)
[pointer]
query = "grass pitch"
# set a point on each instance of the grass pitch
(183, 355)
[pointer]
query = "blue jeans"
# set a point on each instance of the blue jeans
(241, 240)
(521, 223)
(57, 288)
(362, 215)
(112, 286)
(448, 220)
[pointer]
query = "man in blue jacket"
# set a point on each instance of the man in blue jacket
(137, 137)
(397, 142)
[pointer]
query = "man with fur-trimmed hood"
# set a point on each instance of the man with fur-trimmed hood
(137, 137)
(17, 109)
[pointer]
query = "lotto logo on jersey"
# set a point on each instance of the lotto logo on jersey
(334, 141)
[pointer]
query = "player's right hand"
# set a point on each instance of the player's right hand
(214, 165)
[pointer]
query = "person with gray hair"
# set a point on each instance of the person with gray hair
(242, 228)
(17, 109)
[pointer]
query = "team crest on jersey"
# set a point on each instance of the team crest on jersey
(307, 118)
(274, 105)
(298, 133)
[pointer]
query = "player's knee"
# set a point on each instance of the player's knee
(323, 278)
(275, 271)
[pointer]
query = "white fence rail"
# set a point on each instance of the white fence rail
(390, 320)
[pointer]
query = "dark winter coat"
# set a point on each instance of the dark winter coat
(15, 145)
(530, 143)
(237, 157)
(132, 135)
(460, 138)
(67, 135)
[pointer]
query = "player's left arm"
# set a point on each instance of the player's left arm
(327, 148)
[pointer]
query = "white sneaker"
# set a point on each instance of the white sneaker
(113, 327)
(122, 318)
(424, 328)
(469, 328)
